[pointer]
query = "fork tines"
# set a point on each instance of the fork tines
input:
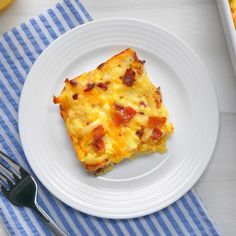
(10, 172)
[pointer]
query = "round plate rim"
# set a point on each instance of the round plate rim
(55, 192)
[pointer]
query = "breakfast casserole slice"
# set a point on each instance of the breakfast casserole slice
(114, 112)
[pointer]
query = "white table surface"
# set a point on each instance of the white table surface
(198, 23)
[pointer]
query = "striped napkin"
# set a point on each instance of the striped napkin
(19, 49)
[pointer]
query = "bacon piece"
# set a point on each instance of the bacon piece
(128, 113)
(156, 121)
(156, 134)
(89, 87)
(75, 96)
(103, 85)
(135, 56)
(98, 145)
(158, 100)
(123, 114)
(137, 59)
(101, 66)
(55, 99)
(119, 107)
(142, 103)
(98, 132)
(73, 83)
(129, 77)
(137, 64)
(117, 118)
(139, 133)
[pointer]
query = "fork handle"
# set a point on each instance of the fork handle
(48, 220)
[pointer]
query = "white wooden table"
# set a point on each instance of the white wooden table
(198, 23)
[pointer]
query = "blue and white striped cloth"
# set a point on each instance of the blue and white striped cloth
(19, 49)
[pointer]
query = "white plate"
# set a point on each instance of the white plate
(138, 187)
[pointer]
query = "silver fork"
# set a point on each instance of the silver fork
(20, 188)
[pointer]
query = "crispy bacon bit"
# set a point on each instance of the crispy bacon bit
(135, 56)
(137, 59)
(119, 107)
(101, 66)
(128, 113)
(158, 100)
(139, 133)
(103, 85)
(55, 99)
(129, 77)
(98, 145)
(123, 114)
(117, 118)
(156, 134)
(73, 83)
(75, 96)
(156, 121)
(98, 132)
(142, 104)
(89, 87)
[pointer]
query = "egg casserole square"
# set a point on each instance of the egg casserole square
(114, 112)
